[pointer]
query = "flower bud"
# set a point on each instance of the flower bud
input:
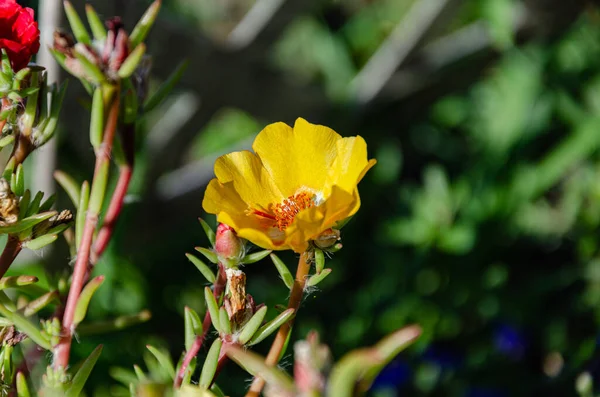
(327, 239)
(228, 246)
(312, 360)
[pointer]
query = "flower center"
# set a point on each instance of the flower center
(283, 214)
(286, 211)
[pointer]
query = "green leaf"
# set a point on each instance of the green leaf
(24, 204)
(141, 29)
(123, 375)
(97, 118)
(317, 278)
(82, 375)
(26, 223)
(17, 281)
(213, 308)
(25, 326)
(165, 88)
(255, 257)
(132, 61)
(7, 140)
(96, 24)
(34, 206)
(46, 205)
(208, 231)
(79, 30)
(38, 304)
(270, 327)
(208, 254)
(204, 269)
(22, 388)
(252, 325)
(115, 324)
(210, 364)
(217, 390)
(319, 260)
(284, 272)
(224, 322)
(255, 365)
(139, 373)
(85, 297)
(164, 360)
(82, 207)
(18, 187)
(91, 71)
(193, 326)
(71, 187)
(40, 242)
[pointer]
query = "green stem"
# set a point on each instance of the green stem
(282, 335)
(98, 190)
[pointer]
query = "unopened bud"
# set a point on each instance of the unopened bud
(327, 239)
(228, 246)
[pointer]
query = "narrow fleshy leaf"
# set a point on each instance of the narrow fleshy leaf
(81, 377)
(7, 140)
(69, 185)
(115, 324)
(85, 297)
(26, 223)
(91, 71)
(99, 187)
(210, 364)
(24, 203)
(132, 61)
(210, 233)
(255, 257)
(17, 281)
(22, 388)
(56, 105)
(270, 327)
(19, 186)
(123, 375)
(34, 206)
(252, 325)
(224, 322)
(141, 29)
(25, 326)
(164, 90)
(317, 278)
(82, 207)
(95, 23)
(213, 308)
(204, 269)
(193, 326)
(79, 30)
(284, 272)
(139, 373)
(348, 370)
(41, 242)
(97, 118)
(38, 304)
(319, 260)
(255, 365)
(48, 203)
(217, 390)
(208, 254)
(130, 106)
(164, 360)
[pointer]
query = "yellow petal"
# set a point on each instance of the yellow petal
(250, 179)
(298, 157)
(350, 164)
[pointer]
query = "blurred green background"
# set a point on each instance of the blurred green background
(479, 222)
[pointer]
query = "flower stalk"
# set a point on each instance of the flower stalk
(98, 190)
(282, 335)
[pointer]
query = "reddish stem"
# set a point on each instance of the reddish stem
(282, 334)
(113, 212)
(11, 250)
(63, 349)
(219, 287)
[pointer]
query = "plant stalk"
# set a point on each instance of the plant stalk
(219, 287)
(283, 332)
(11, 250)
(103, 154)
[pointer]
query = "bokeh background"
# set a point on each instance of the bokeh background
(480, 221)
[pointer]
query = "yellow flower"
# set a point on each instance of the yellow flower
(297, 184)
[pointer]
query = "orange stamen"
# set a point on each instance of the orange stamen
(286, 211)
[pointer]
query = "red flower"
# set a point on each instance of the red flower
(19, 33)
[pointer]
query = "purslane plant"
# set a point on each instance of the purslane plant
(294, 192)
